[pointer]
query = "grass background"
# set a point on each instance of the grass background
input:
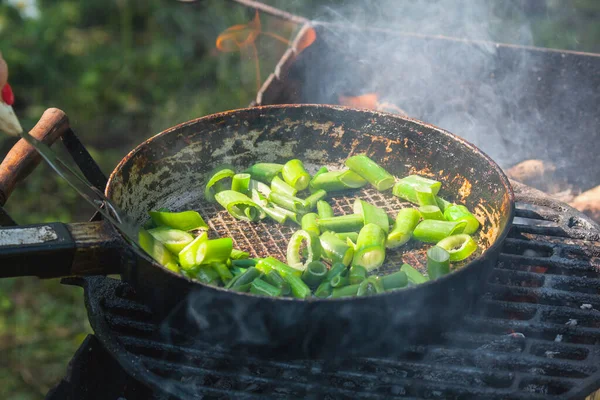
(124, 70)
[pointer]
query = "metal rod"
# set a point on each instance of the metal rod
(273, 11)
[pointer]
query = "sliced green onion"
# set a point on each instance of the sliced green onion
(295, 175)
(259, 187)
(414, 276)
(241, 183)
(462, 213)
(324, 209)
(376, 283)
(309, 223)
(343, 223)
(365, 288)
(281, 215)
(280, 186)
(185, 220)
(353, 236)
(431, 212)
(370, 247)
(261, 287)
(237, 271)
(242, 283)
(290, 203)
(216, 176)
(264, 172)
(239, 254)
(216, 250)
(239, 205)
(442, 204)
(335, 249)
(406, 221)
(224, 272)
(276, 280)
(432, 231)
(395, 280)
(314, 273)
(324, 290)
(312, 200)
(187, 256)
(205, 274)
(157, 250)
(438, 262)
(291, 275)
(336, 269)
(321, 170)
(372, 214)
(244, 263)
(406, 188)
(357, 274)
(339, 281)
(425, 196)
(173, 239)
(352, 180)
(344, 291)
(312, 245)
(371, 171)
(459, 246)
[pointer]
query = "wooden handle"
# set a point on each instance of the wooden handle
(22, 159)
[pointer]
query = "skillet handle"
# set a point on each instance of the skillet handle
(22, 159)
(56, 250)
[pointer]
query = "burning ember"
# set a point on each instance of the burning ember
(242, 38)
(370, 101)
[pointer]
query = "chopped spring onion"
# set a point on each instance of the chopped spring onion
(370, 247)
(336, 269)
(343, 223)
(276, 280)
(280, 186)
(376, 283)
(344, 291)
(241, 183)
(216, 250)
(459, 246)
(395, 280)
(157, 251)
(432, 231)
(242, 283)
(335, 249)
(442, 204)
(243, 263)
(239, 254)
(352, 180)
(288, 202)
(425, 196)
(187, 256)
(324, 290)
(314, 273)
(339, 281)
(372, 214)
(371, 171)
(357, 274)
(312, 245)
(309, 223)
(205, 274)
(173, 239)
(216, 175)
(431, 212)
(406, 188)
(258, 286)
(312, 200)
(324, 209)
(185, 220)
(264, 172)
(295, 175)
(292, 276)
(353, 236)
(462, 213)
(239, 205)
(414, 276)
(438, 262)
(406, 221)
(259, 187)
(335, 181)
(224, 272)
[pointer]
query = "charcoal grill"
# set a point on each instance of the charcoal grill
(534, 335)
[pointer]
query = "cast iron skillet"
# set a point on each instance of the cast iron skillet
(169, 170)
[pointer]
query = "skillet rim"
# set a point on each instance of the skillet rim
(495, 246)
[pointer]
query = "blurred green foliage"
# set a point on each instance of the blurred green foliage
(124, 70)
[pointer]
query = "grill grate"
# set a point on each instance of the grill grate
(535, 334)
